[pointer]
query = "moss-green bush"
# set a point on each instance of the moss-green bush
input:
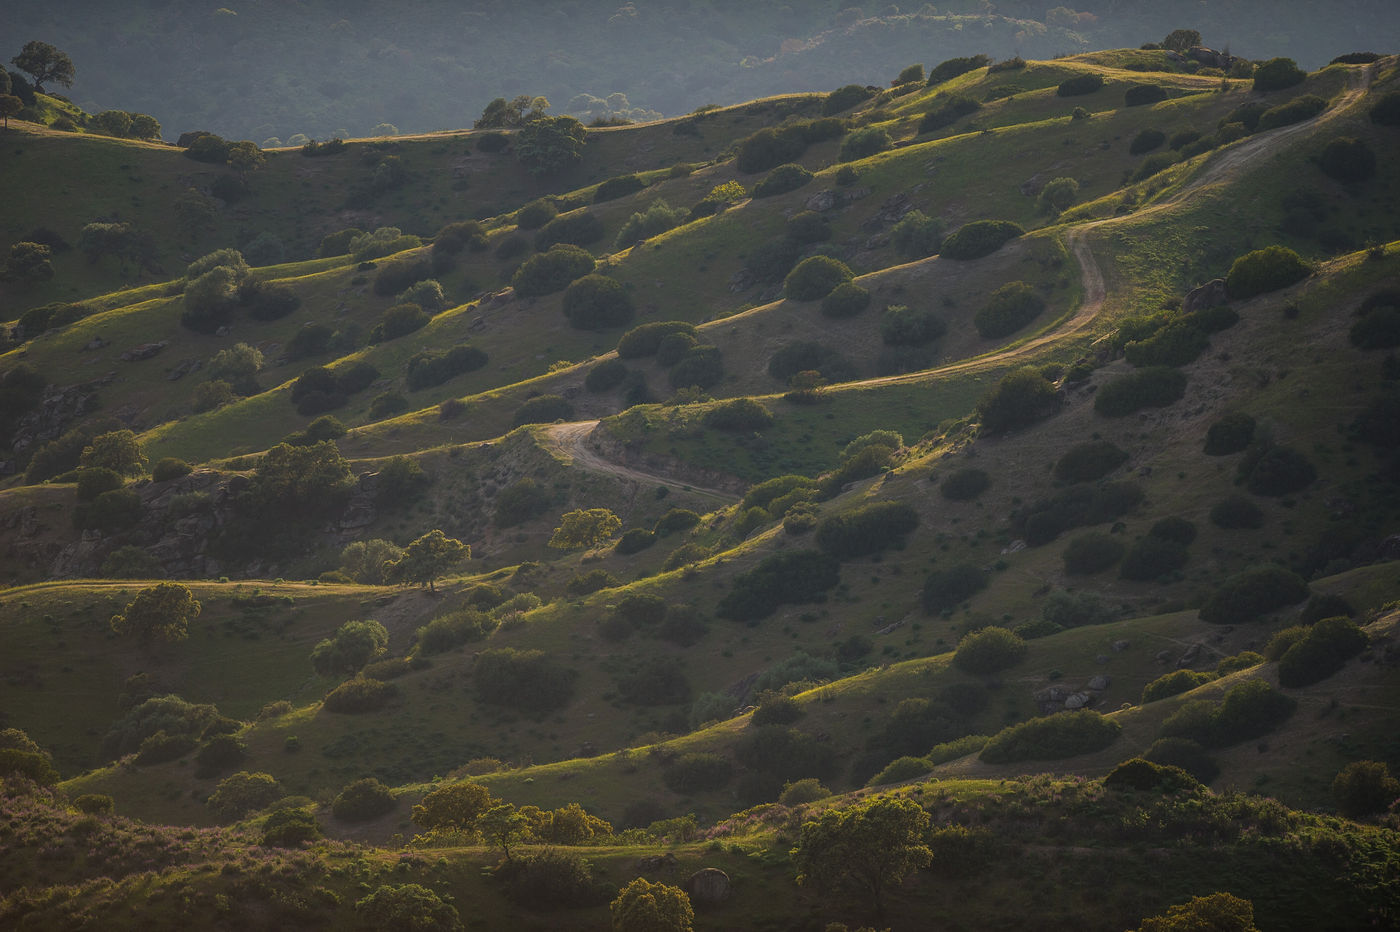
(1278, 470)
(617, 187)
(363, 800)
(359, 695)
(742, 415)
(1253, 592)
(1236, 513)
(1174, 684)
(946, 111)
(1018, 400)
(946, 589)
(1092, 553)
(1146, 140)
(528, 680)
(1152, 558)
(846, 300)
(979, 238)
(1152, 387)
(1231, 434)
(552, 271)
(1265, 270)
(867, 529)
(1324, 650)
(635, 541)
(989, 650)
(1295, 111)
(816, 277)
(965, 484)
(1055, 737)
(1089, 461)
(1079, 85)
(698, 772)
(543, 409)
(791, 577)
(1010, 308)
(1277, 74)
(781, 180)
(579, 228)
(1140, 95)
(597, 302)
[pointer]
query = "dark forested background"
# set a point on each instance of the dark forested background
(271, 69)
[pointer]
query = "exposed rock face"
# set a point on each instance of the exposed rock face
(709, 887)
(1211, 294)
(144, 351)
(59, 408)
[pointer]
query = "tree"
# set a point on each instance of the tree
(28, 263)
(162, 611)
(118, 451)
(355, 644)
(113, 123)
(429, 557)
(501, 113)
(144, 126)
(643, 906)
(307, 480)
(245, 156)
(367, 561)
(238, 365)
(1218, 912)
(868, 846)
(1363, 788)
(585, 528)
(9, 106)
(1179, 40)
(454, 807)
(504, 825)
(43, 62)
(550, 144)
(408, 907)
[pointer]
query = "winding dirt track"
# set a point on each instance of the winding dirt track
(572, 438)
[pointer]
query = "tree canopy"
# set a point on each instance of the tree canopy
(869, 846)
(161, 612)
(585, 528)
(428, 557)
(43, 62)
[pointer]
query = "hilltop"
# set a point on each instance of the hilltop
(961, 441)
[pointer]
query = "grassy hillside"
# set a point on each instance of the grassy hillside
(1140, 504)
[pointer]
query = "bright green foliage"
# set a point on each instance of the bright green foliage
(455, 806)
(367, 561)
(868, 846)
(644, 906)
(428, 557)
(989, 650)
(407, 907)
(355, 644)
(1055, 737)
(1218, 912)
(161, 612)
(1264, 270)
(1173, 684)
(585, 528)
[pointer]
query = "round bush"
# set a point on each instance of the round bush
(867, 529)
(806, 227)
(864, 143)
(646, 339)
(816, 277)
(1231, 434)
(1152, 387)
(803, 356)
(1152, 558)
(359, 695)
(362, 800)
(1324, 650)
(1146, 140)
(698, 772)
(1089, 461)
(1142, 94)
(1254, 592)
(965, 484)
(784, 178)
(1348, 159)
(1386, 111)
(635, 541)
(607, 375)
(1295, 111)
(1265, 270)
(1092, 553)
(1010, 308)
(1186, 754)
(596, 302)
(980, 238)
(1281, 471)
(989, 651)
(543, 409)
(552, 271)
(904, 326)
(1173, 529)
(1174, 684)
(536, 214)
(1079, 85)
(701, 367)
(1377, 329)
(575, 229)
(740, 415)
(1018, 400)
(847, 300)
(1363, 788)
(1277, 74)
(844, 98)
(614, 188)
(1055, 737)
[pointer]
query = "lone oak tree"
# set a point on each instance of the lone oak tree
(869, 847)
(585, 528)
(429, 557)
(44, 63)
(162, 611)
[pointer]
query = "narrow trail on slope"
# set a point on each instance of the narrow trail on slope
(571, 439)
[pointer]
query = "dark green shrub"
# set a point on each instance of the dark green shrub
(645, 339)
(552, 271)
(109, 511)
(393, 277)
(1386, 111)
(781, 180)
(741, 415)
(803, 356)
(528, 680)
(673, 347)
(1146, 141)
(597, 302)
(847, 300)
(338, 243)
(1249, 710)
(965, 485)
(899, 770)
(1152, 387)
(219, 753)
(1277, 74)
(770, 147)
(1152, 558)
(1174, 684)
(359, 695)
(778, 710)
(95, 480)
(1186, 754)
(844, 98)
(399, 320)
(550, 879)
(1078, 505)
(1154, 164)
(289, 828)
(428, 369)
(1348, 159)
(590, 582)
(614, 188)
(1363, 788)
(635, 541)
(1278, 471)
(865, 530)
(979, 238)
(1247, 595)
(575, 229)
(536, 214)
(1176, 344)
(947, 589)
(1144, 776)
(864, 143)
(989, 650)
(161, 747)
(268, 302)
(1295, 111)
(1377, 329)
(917, 235)
(1236, 513)
(1079, 85)
(607, 375)
(1142, 94)
(1324, 650)
(697, 772)
(815, 278)
(362, 801)
(519, 502)
(954, 67)
(1092, 553)
(168, 467)
(658, 681)
(1010, 308)
(447, 632)
(93, 804)
(903, 326)
(1018, 400)
(1264, 270)
(543, 409)
(702, 367)
(947, 111)
(1231, 434)
(792, 577)
(807, 227)
(675, 521)
(1088, 461)
(1055, 737)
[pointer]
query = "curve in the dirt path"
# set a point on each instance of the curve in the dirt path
(572, 439)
